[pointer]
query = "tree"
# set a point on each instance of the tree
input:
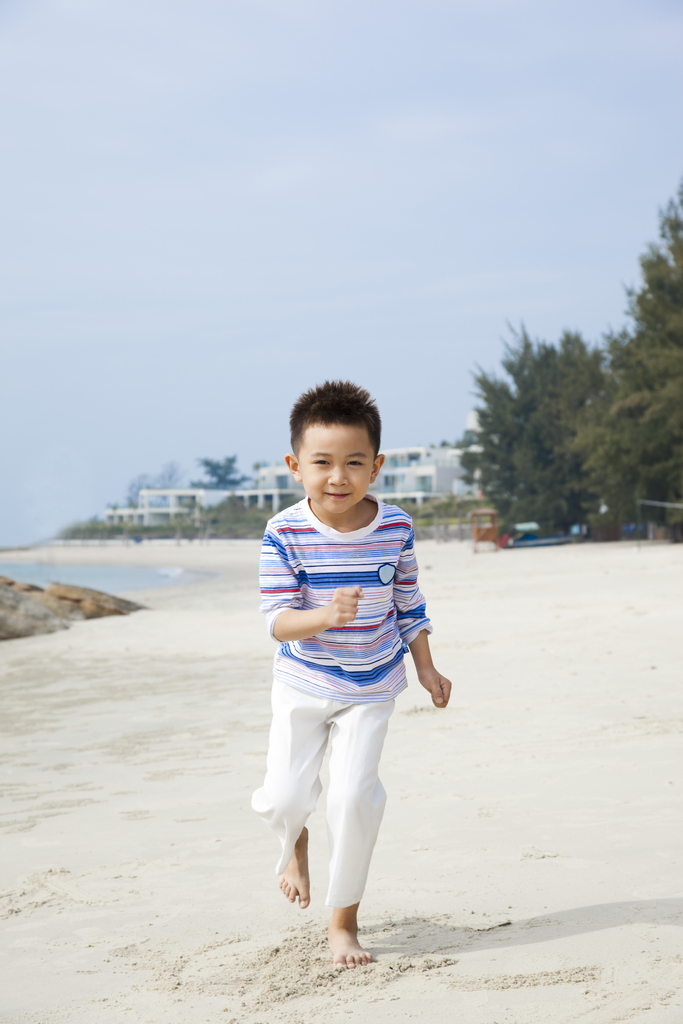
(525, 448)
(136, 485)
(634, 442)
(171, 475)
(222, 474)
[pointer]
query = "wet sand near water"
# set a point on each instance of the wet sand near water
(529, 864)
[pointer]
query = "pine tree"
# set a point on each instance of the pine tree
(635, 441)
(222, 474)
(526, 455)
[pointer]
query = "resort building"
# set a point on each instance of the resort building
(408, 474)
(159, 505)
(419, 473)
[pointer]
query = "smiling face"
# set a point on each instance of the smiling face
(336, 465)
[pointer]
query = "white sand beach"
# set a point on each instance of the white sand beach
(529, 864)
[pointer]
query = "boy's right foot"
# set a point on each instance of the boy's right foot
(343, 937)
(295, 881)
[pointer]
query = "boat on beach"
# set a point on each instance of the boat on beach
(540, 542)
(528, 538)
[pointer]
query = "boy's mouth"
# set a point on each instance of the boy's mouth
(336, 497)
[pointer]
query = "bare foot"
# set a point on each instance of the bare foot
(343, 938)
(295, 881)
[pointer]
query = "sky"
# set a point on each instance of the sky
(209, 206)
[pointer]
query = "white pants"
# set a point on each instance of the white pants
(301, 727)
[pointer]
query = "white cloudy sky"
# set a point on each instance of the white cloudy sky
(208, 206)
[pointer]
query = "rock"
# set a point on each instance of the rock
(61, 600)
(60, 606)
(27, 588)
(22, 615)
(93, 603)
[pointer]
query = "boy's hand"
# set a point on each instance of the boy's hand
(438, 686)
(343, 607)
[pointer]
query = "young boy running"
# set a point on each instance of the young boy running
(339, 589)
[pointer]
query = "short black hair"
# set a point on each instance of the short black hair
(335, 401)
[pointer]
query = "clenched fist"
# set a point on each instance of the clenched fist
(343, 607)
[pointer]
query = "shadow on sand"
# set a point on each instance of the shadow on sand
(432, 935)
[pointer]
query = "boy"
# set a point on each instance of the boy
(339, 588)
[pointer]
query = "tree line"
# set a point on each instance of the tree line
(575, 433)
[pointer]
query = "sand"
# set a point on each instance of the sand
(529, 864)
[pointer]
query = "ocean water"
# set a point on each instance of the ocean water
(113, 579)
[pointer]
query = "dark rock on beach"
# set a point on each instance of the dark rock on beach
(26, 610)
(22, 615)
(94, 603)
(27, 588)
(64, 609)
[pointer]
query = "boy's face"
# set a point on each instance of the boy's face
(336, 465)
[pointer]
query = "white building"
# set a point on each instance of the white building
(411, 474)
(419, 473)
(408, 473)
(159, 505)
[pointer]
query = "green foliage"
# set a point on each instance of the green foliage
(634, 440)
(574, 429)
(452, 507)
(91, 529)
(96, 529)
(232, 519)
(525, 455)
(228, 519)
(222, 474)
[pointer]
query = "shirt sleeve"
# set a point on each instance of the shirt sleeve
(277, 580)
(411, 610)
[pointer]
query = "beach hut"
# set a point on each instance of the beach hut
(484, 527)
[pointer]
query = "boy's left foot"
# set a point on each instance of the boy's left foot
(343, 938)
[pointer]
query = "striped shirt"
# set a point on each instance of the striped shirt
(303, 561)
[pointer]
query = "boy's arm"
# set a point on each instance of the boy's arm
(411, 613)
(292, 624)
(438, 685)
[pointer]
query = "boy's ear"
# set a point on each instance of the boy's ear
(293, 466)
(376, 466)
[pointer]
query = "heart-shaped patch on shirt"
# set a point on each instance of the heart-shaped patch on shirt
(386, 573)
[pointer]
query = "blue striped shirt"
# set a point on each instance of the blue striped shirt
(303, 561)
